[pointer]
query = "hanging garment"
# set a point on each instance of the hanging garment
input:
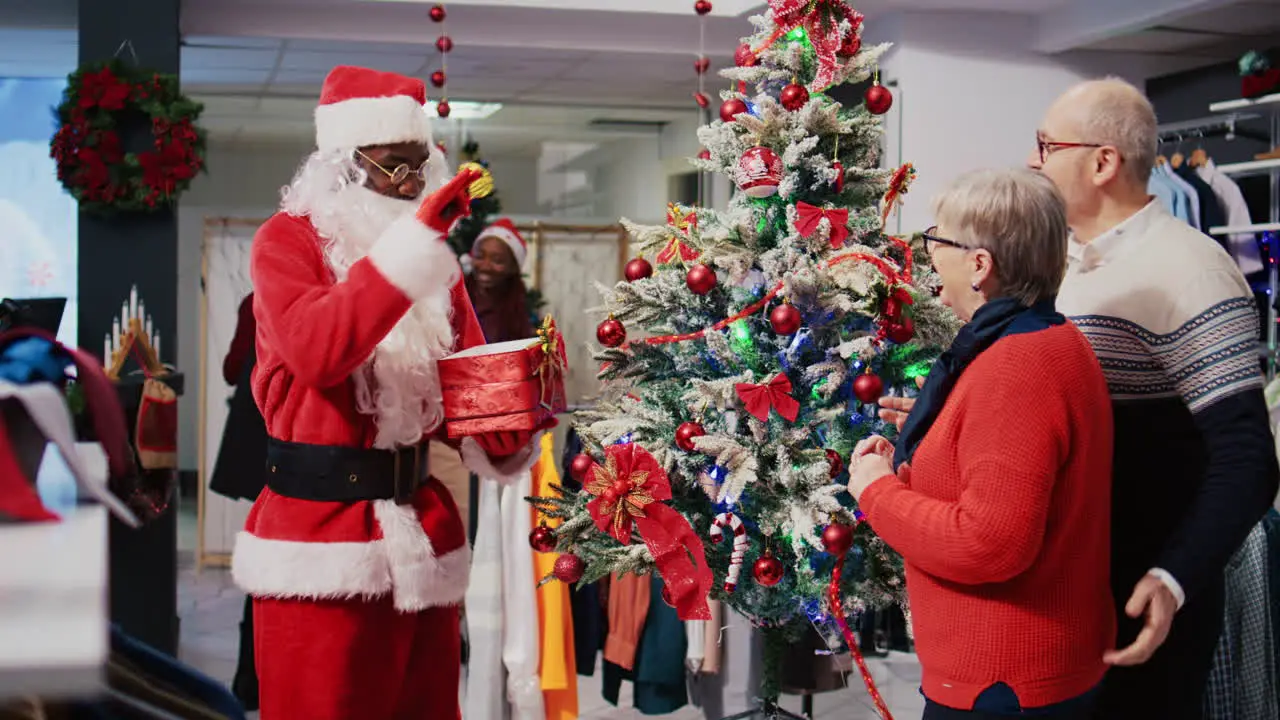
(1190, 194)
(658, 676)
(628, 612)
(1242, 683)
(1211, 213)
(1162, 185)
(240, 472)
(556, 668)
(502, 620)
(1243, 246)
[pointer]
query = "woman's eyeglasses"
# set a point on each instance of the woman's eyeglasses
(931, 239)
(402, 172)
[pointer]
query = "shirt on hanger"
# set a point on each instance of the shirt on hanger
(1193, 204)
(1243, 246)
(1211, 214)
(1171, 194)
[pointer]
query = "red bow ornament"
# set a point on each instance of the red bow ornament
(683, 223)
(775, 395)
(629, 488)
(809, 216)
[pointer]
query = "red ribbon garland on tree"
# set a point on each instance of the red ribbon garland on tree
(821, 20)
(837, 611)
(630, 488)
(775, 395)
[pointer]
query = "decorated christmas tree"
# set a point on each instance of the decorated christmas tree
(740, 373)
(485, 208)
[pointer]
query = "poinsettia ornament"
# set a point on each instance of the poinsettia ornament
(629, 491)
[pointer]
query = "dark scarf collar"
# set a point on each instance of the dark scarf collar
(994, 320)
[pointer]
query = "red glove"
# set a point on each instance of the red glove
(507, 443)
(453, 201)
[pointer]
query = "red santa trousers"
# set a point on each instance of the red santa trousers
(356, 660)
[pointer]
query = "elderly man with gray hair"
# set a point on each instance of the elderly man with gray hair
(1174, 325)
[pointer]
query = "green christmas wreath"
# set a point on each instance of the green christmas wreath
(100, 100)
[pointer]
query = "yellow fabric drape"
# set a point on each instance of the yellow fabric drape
(557, 667)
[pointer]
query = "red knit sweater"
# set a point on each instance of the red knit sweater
(1003, 520)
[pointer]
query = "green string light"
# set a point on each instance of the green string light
(797, 34)
(917, 370)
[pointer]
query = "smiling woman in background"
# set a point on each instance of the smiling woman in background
(1001, 502)
(496, 288)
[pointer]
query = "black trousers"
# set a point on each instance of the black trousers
(1171, 685)
(999, 702)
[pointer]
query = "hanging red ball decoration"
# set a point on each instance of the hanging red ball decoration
(878, 99)
(868, 387)
(437, 78)
(443, 109)
(542, 539)
(839, 168)
(901, 331)
(745, 57)
(837, 539)
(569, 568)
(702, 7)
(686, 433)
(444, 44)
(794, 97)
(851, 45)
(705, 154)
(700, 279)
(611, 333)
(580, 466)
(731, 108)
(759, 172)
(702, 65)
(638, 269)
(437, 13)
(835, 462)
(768, 570)
(785, 319)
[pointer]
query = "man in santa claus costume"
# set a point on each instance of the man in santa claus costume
(355, 557)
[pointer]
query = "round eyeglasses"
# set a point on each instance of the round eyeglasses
(402, 172)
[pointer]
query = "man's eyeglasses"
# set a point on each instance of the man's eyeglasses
(1047, 147)
(402, 172)
(931, 239)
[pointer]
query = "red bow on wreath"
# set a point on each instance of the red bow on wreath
(808, 216)
(630, 488)
(775, 394)
(821, 20)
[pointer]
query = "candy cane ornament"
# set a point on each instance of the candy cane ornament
(731, 521)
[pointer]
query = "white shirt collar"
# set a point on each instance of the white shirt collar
(1105, 246)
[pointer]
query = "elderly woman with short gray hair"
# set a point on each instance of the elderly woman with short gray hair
(997, 494)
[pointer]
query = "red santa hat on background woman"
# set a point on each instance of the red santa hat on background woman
(360, 107)
(505, 231)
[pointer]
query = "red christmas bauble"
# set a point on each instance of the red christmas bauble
(437, 78)
(702, 7)
(836, 463)
(744, 57)
(705, 154)
(542, 539)
(892, 308)
(702, 99)
(768, 570)
(611, 333)
(759, 172)
(785, 319)
(901, 331)
(569, 568)
(580, 466)
(700, 279)
(839, 168)
(868, 387)
(701, 65)
(878, 99)
(638, 269)
(794, 97)
(731, 108)
(837, 539)
(443, 109)
(851, 45)
(686, 433)
(437, 13)
(444, 44)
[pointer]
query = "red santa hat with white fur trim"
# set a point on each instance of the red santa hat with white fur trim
(504, 230)
(361, 107)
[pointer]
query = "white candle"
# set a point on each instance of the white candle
(142, 312)
(155, 345)
(149, 333)
(133, 302)
(106, 350)
(115, 332)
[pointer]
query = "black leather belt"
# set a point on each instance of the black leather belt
(326, 473)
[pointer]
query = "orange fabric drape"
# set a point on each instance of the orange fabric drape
(557, 664)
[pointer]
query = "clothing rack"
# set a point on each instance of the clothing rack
(1270, 105)
(1213, 126)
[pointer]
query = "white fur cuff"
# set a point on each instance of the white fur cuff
(505, 471)
(415, 259)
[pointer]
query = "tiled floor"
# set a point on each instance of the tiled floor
(211, 608)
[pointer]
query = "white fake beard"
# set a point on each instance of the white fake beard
(399, 385)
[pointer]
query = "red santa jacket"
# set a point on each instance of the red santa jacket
(313, 333)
